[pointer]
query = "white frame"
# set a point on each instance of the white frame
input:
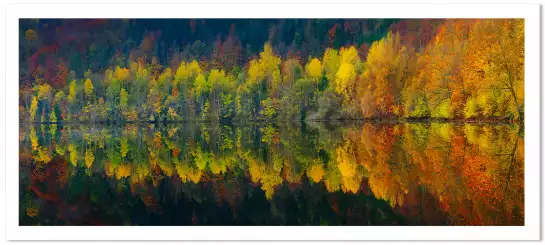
(530, 12)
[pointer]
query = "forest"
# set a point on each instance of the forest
(139, 70)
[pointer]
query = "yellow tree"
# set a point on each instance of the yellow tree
(218, 82)
(183, 82)
(331, 63)
(265, 69)
(386, 69)
(89, 89)
(44, 91)
(202, 89)
(269, 64)
(264, 73)
(346, 74)
(314, 70)
(122, 74)
(494, 62)
(44, 94)
(72, 92)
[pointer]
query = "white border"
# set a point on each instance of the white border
(530, 12)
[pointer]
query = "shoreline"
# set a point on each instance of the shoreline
(336, 121)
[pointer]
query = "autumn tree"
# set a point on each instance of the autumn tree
(493, 66)
(387, 68)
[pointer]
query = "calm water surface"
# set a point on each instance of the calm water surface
(310, 174)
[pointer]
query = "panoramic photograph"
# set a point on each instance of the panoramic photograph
(271, 122)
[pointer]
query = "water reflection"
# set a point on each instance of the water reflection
(310, 174)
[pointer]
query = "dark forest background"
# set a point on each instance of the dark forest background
(99, 44)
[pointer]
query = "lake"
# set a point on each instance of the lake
(267, 174)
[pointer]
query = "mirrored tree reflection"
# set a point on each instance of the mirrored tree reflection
(270, 174)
